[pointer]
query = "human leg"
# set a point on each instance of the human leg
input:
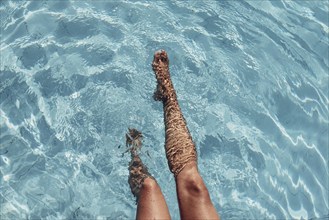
(151, 203)
(150, 200)
(193, 196)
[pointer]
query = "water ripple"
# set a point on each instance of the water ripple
(252, 81)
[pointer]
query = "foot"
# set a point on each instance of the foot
(137, 170)
(160, 67)
(134, 140)
(160, 61)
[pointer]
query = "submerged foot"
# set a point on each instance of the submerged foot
(137, 170)
(134, 140)
(160, 66)
(160, 60)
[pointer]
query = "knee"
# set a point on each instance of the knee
(149, 184)
(191, 183)
(195, 187)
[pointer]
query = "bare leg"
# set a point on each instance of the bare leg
(150, 200)
(151, 203)
(193, 196)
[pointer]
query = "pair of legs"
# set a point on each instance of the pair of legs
(193, 197)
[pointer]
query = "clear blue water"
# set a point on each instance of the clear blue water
(252, 81)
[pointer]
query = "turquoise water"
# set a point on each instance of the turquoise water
(251, 78)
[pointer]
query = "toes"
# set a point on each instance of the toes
(160, 56)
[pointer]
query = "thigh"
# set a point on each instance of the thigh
(151, 203)
(193, 196)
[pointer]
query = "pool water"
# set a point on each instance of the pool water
(251, 78)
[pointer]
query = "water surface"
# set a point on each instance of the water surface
(251, 78)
